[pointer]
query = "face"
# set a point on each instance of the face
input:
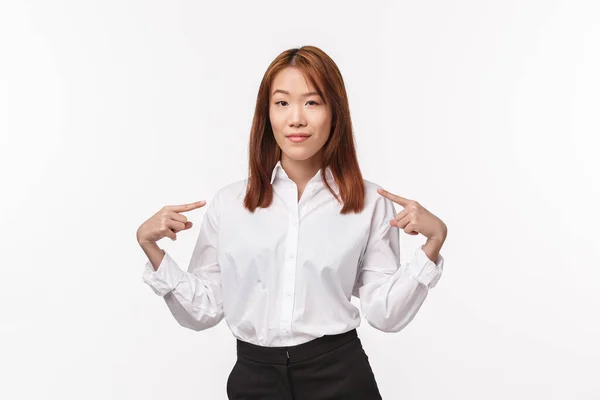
(300, 110)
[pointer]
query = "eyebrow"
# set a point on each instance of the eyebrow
(304, 95)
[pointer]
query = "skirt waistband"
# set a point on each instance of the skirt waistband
(300, 352)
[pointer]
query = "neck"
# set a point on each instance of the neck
(301, 171)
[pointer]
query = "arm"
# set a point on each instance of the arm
(194, 297)
(153, 252)
(391, 294)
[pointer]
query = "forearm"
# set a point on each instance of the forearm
(154, 253)
(433, 245)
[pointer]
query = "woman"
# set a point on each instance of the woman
(280, 254)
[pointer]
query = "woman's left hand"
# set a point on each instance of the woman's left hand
(415, 218)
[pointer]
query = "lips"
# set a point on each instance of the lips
(298, 138)
(297, 135)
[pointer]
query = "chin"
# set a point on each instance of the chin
(299, 154)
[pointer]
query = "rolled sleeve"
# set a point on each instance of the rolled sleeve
(424, 270)
(165, 278)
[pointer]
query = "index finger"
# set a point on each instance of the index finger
(189, 207)
(396, 199)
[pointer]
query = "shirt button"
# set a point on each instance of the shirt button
(284, 331)
(291, 255)
(288, 294)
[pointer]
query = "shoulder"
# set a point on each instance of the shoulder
(371, 186)
(224, 198)
(371, 194)
(374, 201)
(232, 191)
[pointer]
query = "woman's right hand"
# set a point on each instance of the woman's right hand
(166, 222)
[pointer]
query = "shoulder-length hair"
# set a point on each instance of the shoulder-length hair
(339, 153)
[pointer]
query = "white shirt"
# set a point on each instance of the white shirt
(285, 274)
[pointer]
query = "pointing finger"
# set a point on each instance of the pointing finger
(189, 207)
(396, 199)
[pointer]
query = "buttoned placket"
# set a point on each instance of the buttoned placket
(290, 263)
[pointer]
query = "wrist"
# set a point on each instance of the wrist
(146, 244)
(440, 235)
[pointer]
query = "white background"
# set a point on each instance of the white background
(486, 112)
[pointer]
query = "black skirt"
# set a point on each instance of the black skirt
(329, 367)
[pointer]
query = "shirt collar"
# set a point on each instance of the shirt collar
(278, 171)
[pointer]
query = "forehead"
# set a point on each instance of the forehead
(291, 79)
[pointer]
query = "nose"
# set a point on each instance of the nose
(297, 115)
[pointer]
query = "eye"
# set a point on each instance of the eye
(310, 101)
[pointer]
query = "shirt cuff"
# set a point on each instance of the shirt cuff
(424, 270)
(165, 278)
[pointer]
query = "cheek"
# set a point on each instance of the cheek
(323, 122)
(275, 122)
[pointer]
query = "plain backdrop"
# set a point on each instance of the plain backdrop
(486, 112)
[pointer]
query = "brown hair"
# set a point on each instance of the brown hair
(339, 151)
